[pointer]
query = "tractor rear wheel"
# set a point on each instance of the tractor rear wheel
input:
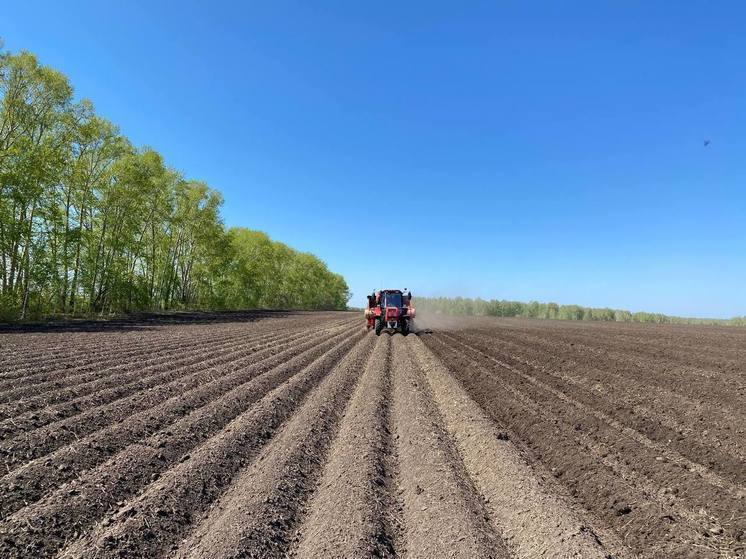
(404, 327)
(379, 326)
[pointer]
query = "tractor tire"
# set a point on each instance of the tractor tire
(379, 326)
(404, 327)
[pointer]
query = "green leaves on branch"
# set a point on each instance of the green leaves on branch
(269, 274)
(88, 223)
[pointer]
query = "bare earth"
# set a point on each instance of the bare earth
(301, 435)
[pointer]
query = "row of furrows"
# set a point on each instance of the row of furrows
(87, 351)
(649, 407)
(195, 455)
(532, 515)
(414, 472)
(169, 510)
(690, 359)
(259, 513)
(717, 468)
(354, 512)
(696, 377)
(31, 481)
(442, 512)
(77, 386)
(324, 486)
(26, 446)
(48, 344)
(708, 346)
(280, 503)
(73, 392)
(342, 445)
(643, 492)
(107, 361)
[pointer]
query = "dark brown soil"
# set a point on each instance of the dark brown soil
(298, 434)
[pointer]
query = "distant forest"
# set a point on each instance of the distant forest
(480, 307)
(90, 223)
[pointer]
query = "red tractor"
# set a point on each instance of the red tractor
(390, 310)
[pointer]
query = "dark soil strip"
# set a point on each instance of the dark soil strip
(102, 360)
(688, 378)
(528, 512)
(657, 463)
(70, 374)
(78, 353)
(390, 535)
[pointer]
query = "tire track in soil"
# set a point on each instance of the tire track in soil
(34, 444)
(532, 519)
(226, 394)
(159, 517)
(443, 514)
(642, 516)
(352, 513)
(260, 512)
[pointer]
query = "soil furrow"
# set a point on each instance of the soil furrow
(259, 514)
(685, 471)
(80, 352)
(683, 380)
(64, 402)
(660, 415)
(60, 368)
(41, 441)
(116, 365)
(647, 523)
(443, 515)
(99, 360)
(349, 510)
(222, 399)
(533, 521)
(161, 515)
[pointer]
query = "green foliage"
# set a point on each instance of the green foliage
(90, 224)
(552, 311)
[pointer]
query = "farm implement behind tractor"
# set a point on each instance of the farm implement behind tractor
(390, 310)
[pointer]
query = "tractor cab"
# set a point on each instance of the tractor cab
(392, 299)
(391, 310)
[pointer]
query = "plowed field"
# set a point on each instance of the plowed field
(301, 435)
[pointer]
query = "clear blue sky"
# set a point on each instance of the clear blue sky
(519, 150)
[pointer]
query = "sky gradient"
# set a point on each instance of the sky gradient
(513, 150)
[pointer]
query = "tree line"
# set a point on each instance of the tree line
(90, 223)
(552, 311)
